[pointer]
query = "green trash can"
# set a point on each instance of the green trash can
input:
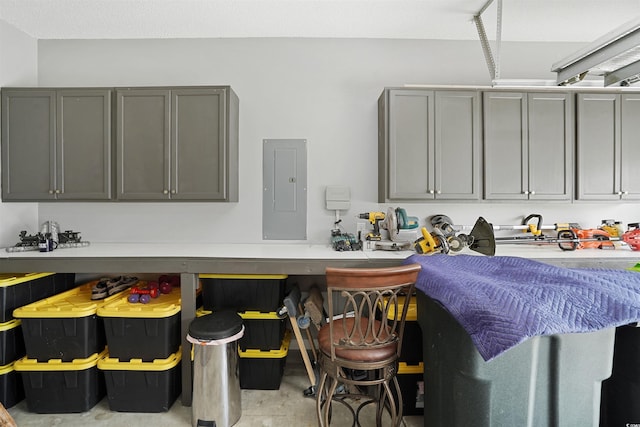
(546, 381)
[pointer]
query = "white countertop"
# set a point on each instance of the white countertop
(299, 252)
(194, 250)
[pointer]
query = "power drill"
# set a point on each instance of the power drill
(374, 218)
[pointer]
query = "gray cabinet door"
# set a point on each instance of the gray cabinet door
(56, 144)
(505, 153)
(143, 144)
(428, 145)
(28, 148)
(457, 145)
(598, 146)
(550, 145)
(630, 146)
(528, 145)
(411, 156)
(198, 144)
(83, 144)
(177, 144)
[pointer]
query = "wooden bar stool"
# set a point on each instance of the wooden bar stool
(360, 345)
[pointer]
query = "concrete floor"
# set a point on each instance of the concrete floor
(260, 408)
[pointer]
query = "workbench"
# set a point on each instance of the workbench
(190, 260)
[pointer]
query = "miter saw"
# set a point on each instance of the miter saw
(400, 226)
(402, 230)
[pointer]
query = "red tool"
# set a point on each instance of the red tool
(593, 238)
(632, 236)
(144, 293)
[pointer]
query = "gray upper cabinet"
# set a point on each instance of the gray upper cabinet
(608, 143)
(528, 141)
(428, 145)
(56, 144)
(177, 144)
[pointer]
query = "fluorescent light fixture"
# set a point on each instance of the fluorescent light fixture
(615, 56)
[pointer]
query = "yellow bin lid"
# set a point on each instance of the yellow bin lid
(4, 370)
(73, 303)
(243, 276)
(268, 354)
(412, 312)
(114, 364)
(26, 364)
(251, 315)
(10, 279)
(9, 325)
(166, 305)
(404, 368)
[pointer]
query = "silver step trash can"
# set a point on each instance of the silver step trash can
(216, 381)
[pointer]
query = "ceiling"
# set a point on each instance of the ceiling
(522, 20)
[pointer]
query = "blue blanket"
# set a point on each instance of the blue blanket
(502, 301)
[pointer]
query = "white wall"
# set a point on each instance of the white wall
(324, 90)
(18, 67)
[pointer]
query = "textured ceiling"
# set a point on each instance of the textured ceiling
(523, 20)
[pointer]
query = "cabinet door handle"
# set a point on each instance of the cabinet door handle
(625, 193)
(173, 191)
(431, 191)
(165, 192)
(58, 191)
(438, 192)
(50, 191)
(532, 193)
(619, 193)
(526, 193)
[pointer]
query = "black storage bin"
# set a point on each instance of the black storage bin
(262, 331)
(17, 290)
(242, 292)
(11, 388)
(65, 326)
(63, 282)
(142, 331)
(411, 381)
(136, 386)
(63, 338)
(42, 288)
(11, 342)
(62, 387)
(411, 351)
(263, 370)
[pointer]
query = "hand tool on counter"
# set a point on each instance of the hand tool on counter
(569, 237)
(444, 238)
(530, 224)
(341, 241)
(612, 227)
(397, 224)
(375, 218)
(632, 236)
